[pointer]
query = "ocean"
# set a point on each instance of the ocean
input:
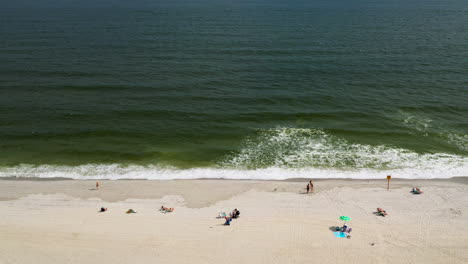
(259, 89)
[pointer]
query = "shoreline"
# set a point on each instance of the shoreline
(113, 190)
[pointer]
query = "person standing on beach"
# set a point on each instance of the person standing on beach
(97, 185)
(311, 186)
(307, 188)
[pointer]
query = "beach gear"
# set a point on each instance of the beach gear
(131, 211)
(339, 234)
(221, 215)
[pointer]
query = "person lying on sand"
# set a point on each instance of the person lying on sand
(103, 209)
(166, 209)
(381, 212)
(131, 211)
(416, 191)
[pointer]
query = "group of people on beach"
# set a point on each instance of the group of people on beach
(163, 209)
(236, 213)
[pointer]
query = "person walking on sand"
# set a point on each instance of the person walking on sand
(311, 186)
(97, 185)
(307, 188)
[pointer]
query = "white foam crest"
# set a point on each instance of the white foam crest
(417, 122)
(302, 148)
(426, 126)
(458, 140)
(115, 172)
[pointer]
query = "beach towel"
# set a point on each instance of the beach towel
(339, 234)
(222, 215)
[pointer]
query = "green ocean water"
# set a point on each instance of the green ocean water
(234, 89)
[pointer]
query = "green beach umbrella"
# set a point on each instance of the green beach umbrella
(345, 218)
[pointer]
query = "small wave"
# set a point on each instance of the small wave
(416, 122)
(425, 126)
(458, 140)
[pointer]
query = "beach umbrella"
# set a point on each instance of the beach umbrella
(345, 218)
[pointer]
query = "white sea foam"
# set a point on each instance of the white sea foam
(419, 123)
(425, 126)
(115, 172)
(458, 140)
(305, 148)
(278, 154)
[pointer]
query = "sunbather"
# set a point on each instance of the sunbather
(103, 209)
(166, 209)
(416, 191)
(381, 212)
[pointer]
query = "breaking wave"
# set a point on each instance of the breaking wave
(278, 154)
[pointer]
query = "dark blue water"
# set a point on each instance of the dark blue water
(236, 89)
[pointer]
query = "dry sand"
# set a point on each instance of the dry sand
(57, 222)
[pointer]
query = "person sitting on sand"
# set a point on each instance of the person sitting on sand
(349, 232)
(344, 228)
(381, 212)
(166, 209)
(131, 211)
(235, 213)
(103, 209)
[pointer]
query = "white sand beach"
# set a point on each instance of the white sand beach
(58, 222)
